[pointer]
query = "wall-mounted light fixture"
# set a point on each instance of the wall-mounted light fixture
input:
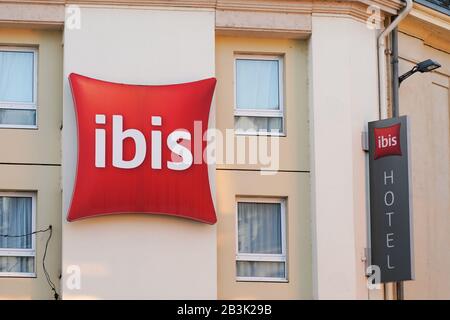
(424, 66)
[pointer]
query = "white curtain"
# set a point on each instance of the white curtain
(17, 264)
(17, 116)
(16, 219)
(16, 76)
(258, 124)
(257, 84)
(259, 232)
(259, 227)
(263, 269)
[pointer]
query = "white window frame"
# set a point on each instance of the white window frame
(258, 112)
(23, 105)
(12, 252)
(258, 256)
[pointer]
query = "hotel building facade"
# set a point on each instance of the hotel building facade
(304, 72)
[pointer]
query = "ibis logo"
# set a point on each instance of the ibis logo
(387, 141)
(119, 136)
(135, 149)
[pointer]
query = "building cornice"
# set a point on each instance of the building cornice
(432, 16)
(51, 12)
(286, 6)
(38, 15)
(429, 25)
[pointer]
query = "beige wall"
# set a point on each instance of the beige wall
(295, 143)
(425, 98)
(44, 144)
(332, 252)
(295, 188)
(292, 184)
(39, 152)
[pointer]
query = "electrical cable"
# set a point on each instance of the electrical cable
(25, 235)
(47, 276)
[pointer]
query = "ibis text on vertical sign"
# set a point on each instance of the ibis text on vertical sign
(390, 217)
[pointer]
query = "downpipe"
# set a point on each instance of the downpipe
(382, 76)
(383, 109)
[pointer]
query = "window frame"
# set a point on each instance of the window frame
(12, 252)
(258, 257)
(23, 105)
(258, 112)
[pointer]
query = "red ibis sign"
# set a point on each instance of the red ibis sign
(135, 149)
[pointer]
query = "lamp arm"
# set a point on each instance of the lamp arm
(407, 75)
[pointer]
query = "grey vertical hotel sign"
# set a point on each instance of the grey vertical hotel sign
(390, 218)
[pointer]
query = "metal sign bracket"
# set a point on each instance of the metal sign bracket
(365, 141)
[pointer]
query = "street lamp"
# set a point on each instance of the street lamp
(424, 66)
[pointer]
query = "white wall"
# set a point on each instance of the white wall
(131, 256)
(343, 98)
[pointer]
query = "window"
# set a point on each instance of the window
(17, 217)
(18, 73)
(259, 95)
(261, 244)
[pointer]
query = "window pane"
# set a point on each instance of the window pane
(259, 228)
(16, 76)
(15, 219)
(18, 117)
(257, 85)
(260, 269)
(258, 124)
(17, 264)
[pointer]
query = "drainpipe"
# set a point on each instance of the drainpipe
(382, 77)
(382, 87)
(395, 80)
